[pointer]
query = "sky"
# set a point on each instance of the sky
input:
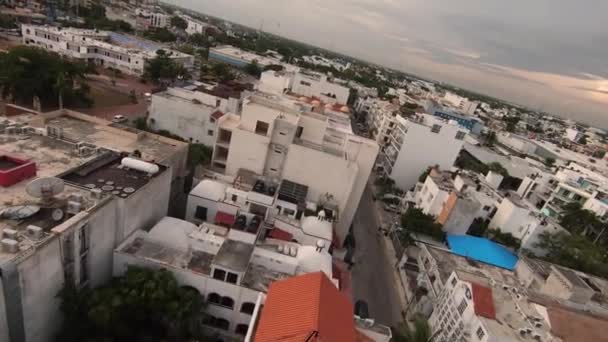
(550, 55)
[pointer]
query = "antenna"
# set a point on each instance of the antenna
(45, 188)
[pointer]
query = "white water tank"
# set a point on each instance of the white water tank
(139, 165)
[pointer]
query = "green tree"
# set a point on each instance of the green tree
(27, 71)
(198, 39)
(421, 332)
(253, 69)
(160, 34)
(498, 168)
(490, 138)
(425, 174)
(162, 69)
(549, 161)
(143, 305)
(178, 22)
(583, 140)
(574, 251)
(199, 154)
(578, 220)
(415, 220)
(7, 22)
(506, 239)
(512, 123)
(222, 71)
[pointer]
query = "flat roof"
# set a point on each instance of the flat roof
(234, 255)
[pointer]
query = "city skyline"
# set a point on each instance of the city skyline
(547, 57)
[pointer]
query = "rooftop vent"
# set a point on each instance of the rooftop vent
(9, 234)
(9, 246)
(34, 232)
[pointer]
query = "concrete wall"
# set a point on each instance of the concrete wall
(247, 150)
(461, 217)
(431, 199)
(274, 82)
(421, 148)
(186, 119)
(317, 88)
(146, 206)
(510, 218)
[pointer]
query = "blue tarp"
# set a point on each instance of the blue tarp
(482, 250)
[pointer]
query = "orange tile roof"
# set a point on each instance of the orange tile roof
(307, 307)
(483, 301)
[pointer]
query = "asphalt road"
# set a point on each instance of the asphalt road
(372, 275)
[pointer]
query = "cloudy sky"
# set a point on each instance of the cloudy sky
(547, 54)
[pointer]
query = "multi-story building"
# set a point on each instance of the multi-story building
(303, 141)
(107, 49)
(232, 266)
(417, 143)
(468, 299)
(381, 118)
(321, 86)
(159, 20)
(73, 187)
(573, 134)
(241, 58)
(197, 26)
(191, 111)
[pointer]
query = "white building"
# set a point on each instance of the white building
(573, 134)
(311, 84)
(232, 268)
(417, 143)
(160, 20)
(307, 143)
(107, 49)
(322, 61)
(381, 118)
(69, 237)
(192, 112)
(241, 58)
(196, 26)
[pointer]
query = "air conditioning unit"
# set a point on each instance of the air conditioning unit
(9, 245)
(96, 193)
(9, 234)
(34, 232)
(74, 207)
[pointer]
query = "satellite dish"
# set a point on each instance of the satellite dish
(19, 212)
(57, 214)
(45, 187)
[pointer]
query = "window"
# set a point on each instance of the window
(234, 198)
(454, 281)
(241, 329)
(210, 132)
(436, 128)
(261, 127)
(277, 152)
(273, 169)
(227, 302)
(231, 278)
(304, 83)
(460, 135)
(282, 133)
(214, 298)
(212, 120)
(299, 131)
(219, 274)
(201, 213)
(480, 333)
(247, 308)
(486, 208)
(288, 212)
(221, 323)
(462, 306)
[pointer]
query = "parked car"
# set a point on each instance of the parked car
(119, 119)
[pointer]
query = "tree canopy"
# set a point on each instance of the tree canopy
(163, 69)
(143, 305)
(578, 220)
(160, 35)
(27, 71)
(421, 332)
(178, 22)
(574, 251)
(253, 69)
(415, 220)
(512, 123)
(498, 168)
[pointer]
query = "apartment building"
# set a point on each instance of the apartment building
(468, 299)
(381, 118)
(191, 111)
(301, 140)
(312, 84)
(73, 188)
(419, 142)
(108, 49)
(232, 266)
(197, 26)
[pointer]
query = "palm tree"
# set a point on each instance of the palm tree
(60, 87)
(421, 332)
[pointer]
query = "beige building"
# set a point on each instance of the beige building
(304, 142)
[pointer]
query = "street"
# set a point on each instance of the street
(373, 277)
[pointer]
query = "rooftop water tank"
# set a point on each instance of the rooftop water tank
(139, 165)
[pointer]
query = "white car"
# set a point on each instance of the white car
(119, 119)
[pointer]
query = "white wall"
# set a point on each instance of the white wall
(184, 118)
(317, 88)
(430, 198)
(510, 218)
(420, 149)
(248, 151)
(274, 82)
